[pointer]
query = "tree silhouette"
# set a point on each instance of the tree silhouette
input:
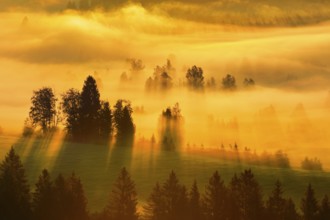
(169, 202)
(309, 205)
(194, 203)
(324, 208)
(170, 128)
(70, 199)
(248, 82)
(123, 119)
(229, 82)
(44, 198)
(14, 189)
(43, 109)
(215, 197)
(275, 205)
(78, 202)
(105, 120)
(90, 106)
(247, 197)
(290, 212)
(195, 78)
(71, 109)
(155, 209)
(162, 77)
(123, 199)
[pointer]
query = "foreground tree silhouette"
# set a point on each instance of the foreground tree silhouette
(215, 198)
(123, 199)
(246, 196)
(43, 109)
(70, 201)
(14, 189)
(325, 208)
(195, 78)
(309, 205)
(44, 198)
(154, 210)
(194, 203)
(168, 202)
(278, 208)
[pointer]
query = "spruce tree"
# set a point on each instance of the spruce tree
(155, 210)
(309, 205)
(43, 198)
(214, 200)
(325, 208)
(247, 196)
(275, 205)
(123, 199)
(90, 106)
(194, 203)
(14, 189)
(105, 121)
(175, 199)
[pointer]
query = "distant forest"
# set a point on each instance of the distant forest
(63, 198)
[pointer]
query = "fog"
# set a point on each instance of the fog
(288, 109)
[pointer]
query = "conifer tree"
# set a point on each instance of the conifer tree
(90, 106)
(275, 205)
(309, 205)
(44, 198)
(14, 189)
(214, 201)
(123, 199)
(194, 203)
(325, 208)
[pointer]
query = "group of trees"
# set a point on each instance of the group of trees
(63, 198)
(85, 116)
(162, 78)
(170, 128)
(194, 79)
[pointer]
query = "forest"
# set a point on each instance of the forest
(63, 198)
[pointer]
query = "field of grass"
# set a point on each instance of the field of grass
(99, 165)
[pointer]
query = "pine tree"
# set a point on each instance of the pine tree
(154, 210)
(290, 212)
(78, 202)
(325, 209)
(275, 205)
(123, 119)
(90, 106)
(123, 199)
(14, 189)
(175, 199)
(194, 203)
(43, 198)
(309, 205)
(105, 121)
(247, 196)
(214, 201)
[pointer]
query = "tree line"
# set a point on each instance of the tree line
(84, 115)
(63, 198)
(162, 79)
